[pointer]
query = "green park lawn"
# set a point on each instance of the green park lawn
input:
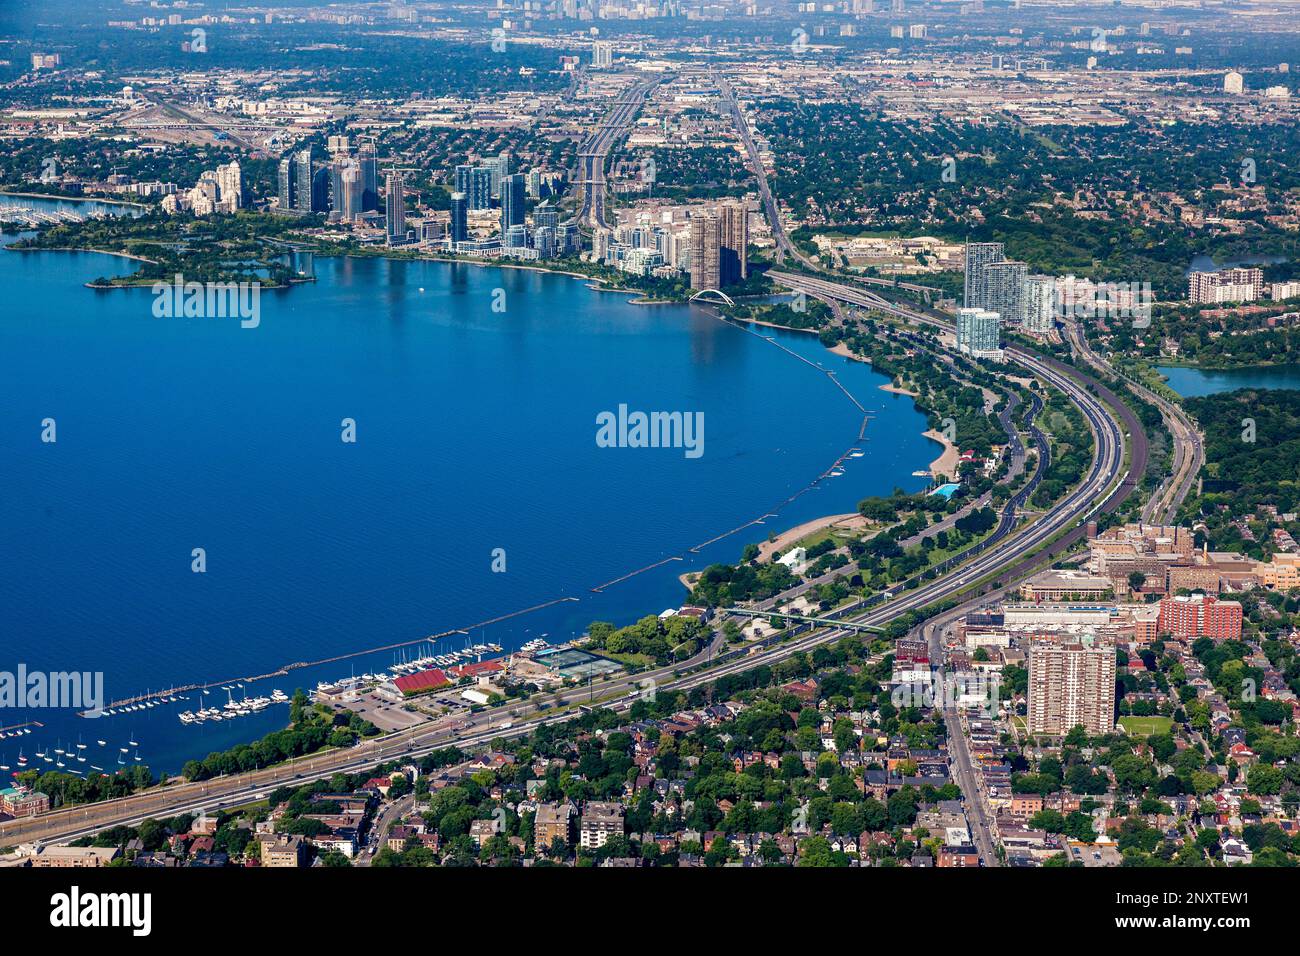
(1146, 726)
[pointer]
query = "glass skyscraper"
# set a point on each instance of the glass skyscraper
(458, 227)
(1004, 290)
(368, 159)
(302, 181)
(395, 212)
(513, 197)
(978, 331)
(978, 255)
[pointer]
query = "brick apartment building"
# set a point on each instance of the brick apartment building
(1200, 615)
(1071, 683)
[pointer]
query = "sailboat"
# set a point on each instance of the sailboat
(80, 745)
(137, 755)
(22, 761)
(59, 762)
(132, 740)
(4, 766)
(101, 742)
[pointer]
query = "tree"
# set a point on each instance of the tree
(1133, 773)
(1263, 780)
(1204, 782)
(816, 851)
(1050, 820)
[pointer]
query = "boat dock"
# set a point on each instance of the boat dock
(16, 730)
(148, 699)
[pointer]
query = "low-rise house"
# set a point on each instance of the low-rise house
(398, 835)
(481, 831)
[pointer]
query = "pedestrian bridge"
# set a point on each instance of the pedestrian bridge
(805, 619)
(713, 296)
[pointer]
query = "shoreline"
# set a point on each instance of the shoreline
(949, 459)
(55, 197)
(948, 462)
(785, 539)
(102, 252)
(591, 283)
(594, 283)
(895, 390)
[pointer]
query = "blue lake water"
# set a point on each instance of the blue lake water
(1193, 382)
(81, 207)
(1204, 263)
(475, 431)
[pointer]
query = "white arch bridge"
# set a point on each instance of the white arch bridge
(714, 295)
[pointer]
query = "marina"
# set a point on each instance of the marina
(31, 218)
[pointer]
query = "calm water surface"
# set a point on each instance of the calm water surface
(475, 431)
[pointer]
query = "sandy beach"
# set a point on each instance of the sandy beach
(947, 463)
(852, 521)
(782, 542)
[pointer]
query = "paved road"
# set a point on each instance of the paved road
(978, 813)
(1010, 510)
(387, 816)
(1189, 448)
(783, 245)
(1187, 451)
(594, 151)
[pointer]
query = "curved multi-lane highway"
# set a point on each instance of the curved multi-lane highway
(1189, 451)
(595, 149)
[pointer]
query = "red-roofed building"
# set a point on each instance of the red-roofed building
(473, 670)
(422, 682)
(805, 690)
